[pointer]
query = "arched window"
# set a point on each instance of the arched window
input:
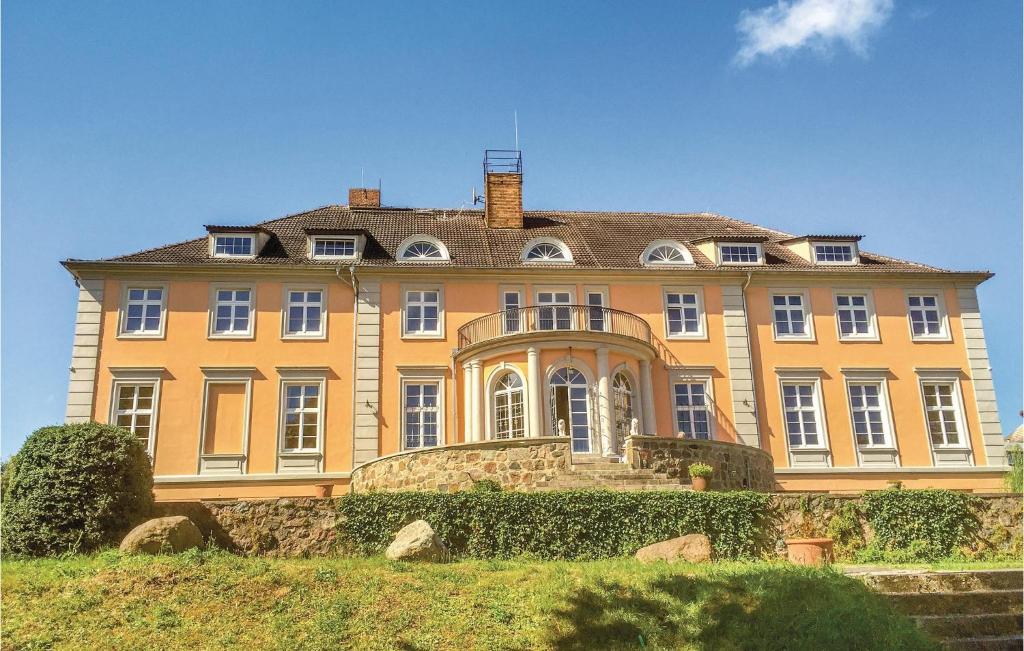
(546, 250)
(622, 406)
(422, 248)
(666, 252)
(509, 413)
(569, 404)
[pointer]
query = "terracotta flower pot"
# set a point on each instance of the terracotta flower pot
(699, 483)
(809, 551)
(324, 490)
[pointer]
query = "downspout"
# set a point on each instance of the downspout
(750, 354)
(353, 282)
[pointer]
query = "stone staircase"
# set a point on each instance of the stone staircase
(594, 471)
(969, 610)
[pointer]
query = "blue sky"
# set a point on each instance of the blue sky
(128, 125)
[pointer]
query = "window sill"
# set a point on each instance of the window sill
(424, 337)
(794, 340)
(238, 336)
(933, 339)
(693, 337)
(154, 335)
(318, 337)
(860, 340)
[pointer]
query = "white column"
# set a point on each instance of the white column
(477, 382)
(467, 403)
(604, 403)
(647, 396)
(533, 392)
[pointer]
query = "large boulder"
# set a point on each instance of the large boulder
(416, 542)
(694, 548)
(172, 534)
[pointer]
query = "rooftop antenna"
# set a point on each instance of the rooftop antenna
(361, 184)
(515, 120)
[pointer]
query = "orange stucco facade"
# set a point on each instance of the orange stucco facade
(221, 398)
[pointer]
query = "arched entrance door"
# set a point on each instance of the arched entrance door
(570, 404)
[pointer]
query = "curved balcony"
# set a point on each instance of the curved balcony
(554, 320)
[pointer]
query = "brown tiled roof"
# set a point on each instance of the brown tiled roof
(597, 240)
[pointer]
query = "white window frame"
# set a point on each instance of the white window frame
(286, 303)
(855, 253)
(885, 407)
(253, 246)
(436, 334)
(805, 304)
(546, 240)
(314, 239)
(122, 316)
(940, 305)
(250, 333)
(519, 291)
(554, 289)
(757, 246)
(302, 460)
(692, 375)
(138, 377)
(403, 250)
(869, 305)
(225, 463)
(656, 244)
(702, 328)
(492, 408)
(958, 408)
(423, 375)
(636, 399)
(602, 291)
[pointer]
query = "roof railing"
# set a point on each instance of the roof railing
(503, 161)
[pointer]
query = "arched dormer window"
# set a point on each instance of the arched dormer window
(423, 248)
(666, 253)
(547, 250)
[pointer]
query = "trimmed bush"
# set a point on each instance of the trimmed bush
(74, 488)
(584, 524)
(1014, 479)
(927, 524)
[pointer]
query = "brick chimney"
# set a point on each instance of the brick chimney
(503, 188)
(364, 198)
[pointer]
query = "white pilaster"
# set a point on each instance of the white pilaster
(647, 398)
(85, 351)
(604, 403)
(477, 401)
(533, 391)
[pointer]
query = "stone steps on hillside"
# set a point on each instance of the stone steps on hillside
(975, 602)
(1007, 643)
(953, 581)
(971, 626)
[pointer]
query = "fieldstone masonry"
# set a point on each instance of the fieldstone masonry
(737, 467)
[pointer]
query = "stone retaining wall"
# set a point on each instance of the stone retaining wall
(736, 467)
(517, 464)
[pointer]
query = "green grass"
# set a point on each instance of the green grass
(215, 600)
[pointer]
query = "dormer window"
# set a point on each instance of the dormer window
(234, 246)
(546, 250)
(740, 253)
(333, 248)
(423, 248)
(666, 253)
(835, 253)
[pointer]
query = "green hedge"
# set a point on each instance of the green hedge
(74, 488)
(584, 524)
(924, 524)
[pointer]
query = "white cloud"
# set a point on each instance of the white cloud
(816, 24)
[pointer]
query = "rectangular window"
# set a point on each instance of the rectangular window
(799, 401)
(740, 254)
(232, 312)
(789, 316)
(134, 408)
(853, 312)
(423, 312)
(143, 313)
(834, 254)
(233, 245)
(941, 406)
(421, 414)
(595, 311)
(330, 247)
(511, 302)
(870, 416)
(926, 316)
(682, 313)
(304, 315)
(550, 317)
(301, 417)
(691, 406)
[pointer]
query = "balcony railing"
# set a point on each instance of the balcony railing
(554, 318)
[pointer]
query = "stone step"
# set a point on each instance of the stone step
(997, 643)
(918, 581)
(976, 602)
(947, 627)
